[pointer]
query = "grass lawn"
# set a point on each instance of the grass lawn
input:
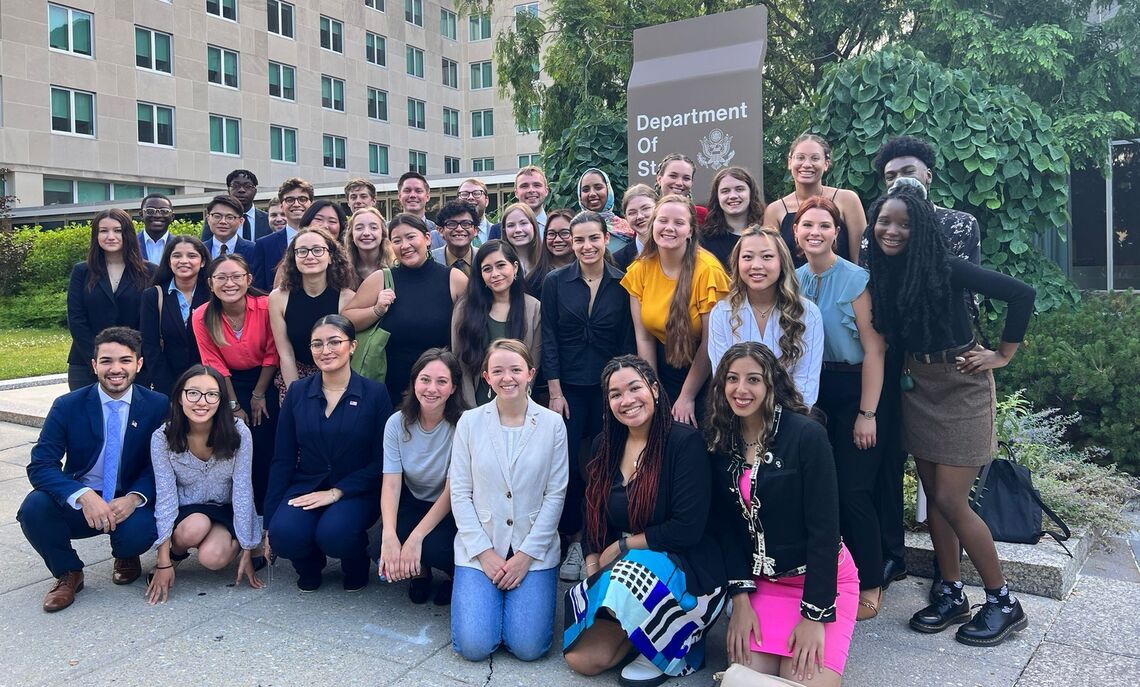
(32, 352)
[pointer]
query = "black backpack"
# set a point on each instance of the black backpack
(1006, 500)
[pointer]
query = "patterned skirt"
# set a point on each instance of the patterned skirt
(646, 593)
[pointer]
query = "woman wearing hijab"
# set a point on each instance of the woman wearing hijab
(596, 194)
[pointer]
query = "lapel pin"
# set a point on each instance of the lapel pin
(134, 423)
(352, 403)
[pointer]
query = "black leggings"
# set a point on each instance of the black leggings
(584, 423)
(437, 550)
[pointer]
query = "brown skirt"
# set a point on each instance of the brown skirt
(948, 417)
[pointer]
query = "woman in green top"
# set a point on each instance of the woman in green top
(496, 306)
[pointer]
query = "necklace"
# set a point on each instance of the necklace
(761, 312)
(235, 322)
(330, 388)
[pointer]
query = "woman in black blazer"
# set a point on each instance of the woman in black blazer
(652, 559)
(104, 291)
(324, 483)
(169, 347)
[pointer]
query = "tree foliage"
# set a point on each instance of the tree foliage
(596, 138)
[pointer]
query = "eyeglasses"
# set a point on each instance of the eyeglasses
(235, 278)
(193, 395)
(295, 200)
(563, 234)
(219, 217)
(303, 251)
(331, 345)
(455, 224)
(473, 194)
(157, 212)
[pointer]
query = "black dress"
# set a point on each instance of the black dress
(419, 319)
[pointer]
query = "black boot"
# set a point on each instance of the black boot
(952, 607)
(893, 571)
(993, 623)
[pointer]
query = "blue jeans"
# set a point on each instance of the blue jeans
(484, 616)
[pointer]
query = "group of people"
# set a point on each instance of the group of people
(674, 408)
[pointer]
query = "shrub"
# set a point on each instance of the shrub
(53, 253)
(43, 307)
(596, 139)
(13, 261)
(1084, 360)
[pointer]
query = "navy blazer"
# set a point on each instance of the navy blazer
(169, 347)
(244, 248)
(344, 450)
(267, 254)
(90, 312)
(260, 226)
(72, 437)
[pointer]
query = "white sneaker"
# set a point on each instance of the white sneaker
(574, 565)
(641, 673)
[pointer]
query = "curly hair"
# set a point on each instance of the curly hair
(911, 294)
(903, 146)
(680, 344)
(788, 301)
(607, 458)
(723, 427)
(339, 274)
(715, 223)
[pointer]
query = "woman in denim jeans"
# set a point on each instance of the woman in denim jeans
(508, 482)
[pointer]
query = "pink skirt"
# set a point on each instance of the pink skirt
(777, 606)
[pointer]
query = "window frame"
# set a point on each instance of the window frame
(374, 95)
(221, 13)
(417, 114)
(486, 75)
(71, 119)
(70, 24)
(372, 4)
(332, 99)
(414, 57)
(153, 35)
(224, 121)
(339, 146)
(481, 20)
(154, 124)
(379, 48)
(415, 166)
(335, 34)
(447, 160)
(451, 118)
(410, 13)
(280, 68)
(376, 169)
(481, 163)
(279, 134)
(281, 5)
(450, 67)
(222, 52)
(482, 117)
(444, 16)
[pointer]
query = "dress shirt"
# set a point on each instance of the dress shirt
(230, 245)
(255, 348)
(93, 480)
(152, 249)
(183, 306)
(483, 235)
(577, 340)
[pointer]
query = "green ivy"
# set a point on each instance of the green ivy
(597, 138)
(998, 156)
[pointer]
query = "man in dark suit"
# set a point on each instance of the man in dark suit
(242, 184)
(157, 212)
(91, 472)
(296, 196)
(223, 216)
(530, 188)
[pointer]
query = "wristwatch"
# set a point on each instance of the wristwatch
(869, 414)
(233, 405)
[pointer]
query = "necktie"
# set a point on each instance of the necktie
(223, 250)
(246, 230)
(112, 449)
(461, 265)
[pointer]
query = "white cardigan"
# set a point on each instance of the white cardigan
(503, 504)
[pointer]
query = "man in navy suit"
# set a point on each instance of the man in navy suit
(91, 472)
(296, 196)
(530, 188)
(242, 184)
(223, 216)
(157, 213)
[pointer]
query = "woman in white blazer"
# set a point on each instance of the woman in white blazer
(508, 481)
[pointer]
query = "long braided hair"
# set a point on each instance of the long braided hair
(911, 295)
(606, 460)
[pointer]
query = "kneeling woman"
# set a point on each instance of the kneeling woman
(202, 460)
(324, 483)
(656, 574)
(508, 482)
(794, 586)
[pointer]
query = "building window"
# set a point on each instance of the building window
(482, 123)
(156, 124)
(532, 159)
(376, 49)
(451, 165)
(66, 191)
(221, 66)
(416, 117)
(450, 122)
(415, 61)
(417, 161)
(530, 8)
(478, 27)
(377, 104)
(377, 5)
(332, 93)
(225, 135)
(280, 17)
(414, 12)
(70, 30)
(483, 164)
(480, 75)
(334, 152)
(72, 112)
(152, 50)
(377, 159)
(282, 81)
(448, 23)
(226, 9)
(450, 73)
(332, 34)
(282, 144)
(531, 124)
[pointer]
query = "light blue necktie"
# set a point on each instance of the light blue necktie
(112, 449)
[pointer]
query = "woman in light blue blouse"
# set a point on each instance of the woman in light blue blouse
(202, 460)
(765, 305)
(849, 385)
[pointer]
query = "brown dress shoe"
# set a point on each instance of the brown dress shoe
(127, 570)
(63, 593)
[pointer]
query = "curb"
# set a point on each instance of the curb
(28, 382)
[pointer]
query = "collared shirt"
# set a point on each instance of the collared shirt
(183, 306)
(481, 236)
(230, 245)
(577, 339)
(449, 259)
(153, 249)
(541, 219)
(290, 232)
(255, 348)
(93, 480)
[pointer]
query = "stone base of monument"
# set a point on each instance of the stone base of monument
(1043, 569)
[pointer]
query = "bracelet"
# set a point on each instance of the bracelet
(163, 567)
(257, 397)
(623, 545)
(556, 398)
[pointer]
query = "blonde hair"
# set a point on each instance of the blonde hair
(532, 252)
(512, 346)
(531, 169)
(387, 254)
(788, 301)
(680, 346)
(637, 191)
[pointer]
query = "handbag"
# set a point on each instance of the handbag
(1004, 497)
(741, 676)
(370, 359)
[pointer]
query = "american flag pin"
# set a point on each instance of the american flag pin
(134, 423)
(352, 403)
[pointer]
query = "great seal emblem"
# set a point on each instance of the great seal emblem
(716, 150)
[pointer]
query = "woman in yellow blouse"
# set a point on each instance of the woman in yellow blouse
(673, 285)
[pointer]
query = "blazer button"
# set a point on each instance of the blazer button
(510, 523)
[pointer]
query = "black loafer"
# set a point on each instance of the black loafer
(309, 583)
(893, 571)
(991, 626)
(941, 614)
(419, 591)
